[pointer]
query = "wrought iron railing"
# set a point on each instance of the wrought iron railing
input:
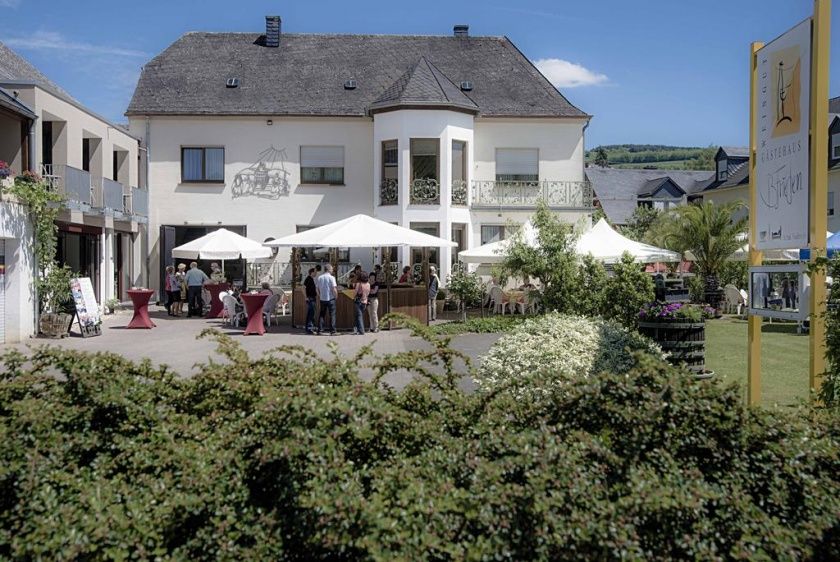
(389, 192)
(73, 183)
(558, 194)
(424, 192)
(459, 192)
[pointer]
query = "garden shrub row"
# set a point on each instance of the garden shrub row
(295, 457)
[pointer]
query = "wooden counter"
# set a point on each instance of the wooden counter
(408, 300)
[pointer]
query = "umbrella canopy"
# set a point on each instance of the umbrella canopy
(832, 246)
(360, 231)
(607, 245)
(495, 252)
(221, 244)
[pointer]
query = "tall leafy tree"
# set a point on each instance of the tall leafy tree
(640, 223)
(708, 231)
(601, 157)
(705, 160)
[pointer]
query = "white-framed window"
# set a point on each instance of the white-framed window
(390, 160)
(425, 159)
(722, 165)
(202, 164)
(492, 233)
(831, 203)
(322, 165)
(835, 146)
(517, 164)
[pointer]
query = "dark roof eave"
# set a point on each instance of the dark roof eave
(16, 107)
(385, 107)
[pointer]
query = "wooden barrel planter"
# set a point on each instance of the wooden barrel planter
(683, 341)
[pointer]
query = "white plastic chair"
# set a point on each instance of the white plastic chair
(734, 299)
(529, 302)
(270, 309)
(500, 301)
(231, 316)
(284, 303)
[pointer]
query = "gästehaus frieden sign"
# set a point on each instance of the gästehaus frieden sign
(782, 150)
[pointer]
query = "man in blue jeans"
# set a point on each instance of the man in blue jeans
(195, 281)
(327, 290)
(311, 297)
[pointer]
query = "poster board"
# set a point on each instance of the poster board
(783, 108)
(779, 291)
(87, 309)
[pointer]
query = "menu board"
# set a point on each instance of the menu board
(87, 310)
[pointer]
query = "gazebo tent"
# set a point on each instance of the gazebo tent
(494, 252)
(358, 231)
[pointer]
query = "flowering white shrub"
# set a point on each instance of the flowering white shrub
(542, 354)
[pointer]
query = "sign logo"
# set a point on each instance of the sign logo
(787, 90)
(266, 178)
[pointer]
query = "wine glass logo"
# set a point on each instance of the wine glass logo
(786, 91)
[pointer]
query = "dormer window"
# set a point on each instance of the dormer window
(721, 169)
(835, 146)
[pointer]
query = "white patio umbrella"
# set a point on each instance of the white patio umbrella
(360, 231)
(221, 244)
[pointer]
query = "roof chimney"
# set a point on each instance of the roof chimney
(461, 30)
(272, 31)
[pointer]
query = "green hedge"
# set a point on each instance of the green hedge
(294, 457)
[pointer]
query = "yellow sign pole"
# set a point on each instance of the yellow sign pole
(754, 322)
(821, 31)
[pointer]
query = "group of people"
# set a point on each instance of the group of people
(322, 287)
(187, 285)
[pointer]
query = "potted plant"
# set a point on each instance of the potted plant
(111, 305)
(55, 300)
(680, 330)
(440, 301)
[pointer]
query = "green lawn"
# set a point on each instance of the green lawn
(784, 358)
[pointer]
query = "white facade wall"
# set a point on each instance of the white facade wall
(16, 230)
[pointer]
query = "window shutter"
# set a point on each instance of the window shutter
(322, 156)
(517, 161)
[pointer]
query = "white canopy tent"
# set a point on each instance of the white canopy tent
(360, 231)
(221, 244)
(604, 243)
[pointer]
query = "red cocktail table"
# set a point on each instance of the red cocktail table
(217, 308)
(253, 309)
(140, 300)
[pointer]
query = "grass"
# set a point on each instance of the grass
(784, 358)
(478, 325)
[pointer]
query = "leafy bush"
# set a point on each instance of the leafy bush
(654, 311)
(465, 286)
(627, 291)
(294, 457)
(734, 273)
(548, 352)
(592, 285)
(830, 388)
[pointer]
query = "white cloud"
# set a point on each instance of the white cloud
(565, 74)
(9, 3)
(53, 41)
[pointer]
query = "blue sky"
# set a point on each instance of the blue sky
(650, 71)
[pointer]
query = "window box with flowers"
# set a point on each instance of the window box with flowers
(680, 330)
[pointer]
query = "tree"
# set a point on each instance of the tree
(640, 223)
(627, 291)
(703, 161)
(466, 286)
(553, 260)
(601, 157)
(708, 231)
(592, 282)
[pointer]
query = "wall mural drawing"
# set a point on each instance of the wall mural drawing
(267, 178)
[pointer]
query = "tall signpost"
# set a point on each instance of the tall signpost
(789, 166)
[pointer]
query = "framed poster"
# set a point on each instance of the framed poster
(87, 309)
(782, 147)
(779, 291)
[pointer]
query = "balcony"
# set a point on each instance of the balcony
(107, 194)
(73, 183)
(138, 203)
(424, 192)
(526, 194)
(459, 193)
(388, 192)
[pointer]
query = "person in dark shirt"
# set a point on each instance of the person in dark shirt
(311, 297)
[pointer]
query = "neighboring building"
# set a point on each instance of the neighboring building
(274, 133)
(17, 302)
(731, 180)
(834, 165)
(94, 163)
(618, 191)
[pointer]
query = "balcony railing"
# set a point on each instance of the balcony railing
(71, 182)
(139, 202)
(389, 192)
(557, 194)
(107, 194)
(459, 192)
(424, 192)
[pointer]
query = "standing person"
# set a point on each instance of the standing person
(373, 302)
(195, 282)
(311, 296)
(173, 291)
(361, 301)
(434, 287)
(327, 294)
(181, 278)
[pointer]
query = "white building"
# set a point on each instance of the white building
(270, 134)
(94, 163)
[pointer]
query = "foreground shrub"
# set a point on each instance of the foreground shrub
(292, 457)
(546, 353)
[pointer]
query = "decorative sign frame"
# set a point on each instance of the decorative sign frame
(770, 300)
(87, 309)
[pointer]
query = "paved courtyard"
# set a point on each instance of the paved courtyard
(174, 342)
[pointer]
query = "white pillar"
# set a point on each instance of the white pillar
(106, 264)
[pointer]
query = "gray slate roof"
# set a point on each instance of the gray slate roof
(617, 189)
(422, 86)
(15, 68)
(305, 75)
(736, 151)
(834, 105)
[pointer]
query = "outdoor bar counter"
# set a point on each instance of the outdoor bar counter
(410, 300)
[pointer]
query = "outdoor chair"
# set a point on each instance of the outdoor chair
(284, 303)
(734, 299)
(500, 300)
(269, 310)
(529, 302)
(232, 316)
